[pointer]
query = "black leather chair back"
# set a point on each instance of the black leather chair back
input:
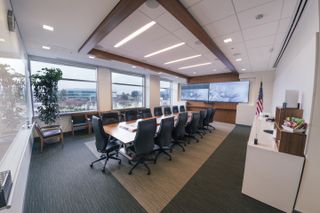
(79, 119)
(164, 136)
(206, 121)
(101, 137)
(144, 139)
(146, 113)
(212, 115)
(182, 109)
(203, 114)
(157, 111)
(175, 109)
(110, 118)
(194, 125)
(167, 111)
(179, 129)
(131, 115)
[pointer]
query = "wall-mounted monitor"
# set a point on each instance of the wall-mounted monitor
(195, 92)
(237, 92)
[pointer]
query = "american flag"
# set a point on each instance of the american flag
(259, 108)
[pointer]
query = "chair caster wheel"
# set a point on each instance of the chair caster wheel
(148, 173)
(103, 171)
(155, 162)
(91, 165)
(183, 150)
(129, 173)
(120, 162)
(170, 159)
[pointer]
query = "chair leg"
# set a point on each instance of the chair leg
(164, 152)
(105, 163)
(41, 144)
(115, 158)
(100, 159)
(134, 166)
(145, 165)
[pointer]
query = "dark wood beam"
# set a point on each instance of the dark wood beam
(176, 8)
(110, 56)
(119, 13)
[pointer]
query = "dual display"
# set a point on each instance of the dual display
(235, 92)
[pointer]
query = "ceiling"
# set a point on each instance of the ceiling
(257, 42)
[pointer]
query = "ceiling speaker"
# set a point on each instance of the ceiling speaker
(11, 21)
(152, 4)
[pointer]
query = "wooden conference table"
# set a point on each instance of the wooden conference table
(126, 131)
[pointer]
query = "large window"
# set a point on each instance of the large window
(77, 89)
(165, 93)
(127, 91)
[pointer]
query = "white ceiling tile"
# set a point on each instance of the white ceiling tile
(259, 58)
(152, 13)
(260, 31)
(284, 25)
(188, 3)
(270, 11)
(223, 27)
(260, 42)
(289, 8)
(208, 11)
(247, 4)
(169, 22)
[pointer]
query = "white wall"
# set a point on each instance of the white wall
(246, 111)
(152, 91)
(297, 66)
(104, 89)
(296, 71)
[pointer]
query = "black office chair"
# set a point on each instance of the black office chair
(104, 145)
(143, 144)
(206, 121)
(167, 110)
(201, 129)
(131, 115)
(164, 137)
(212, 118)
(157, 111)
(146, 113)
(109, 118)
(182, 109)
(179, 132)
(175, 109)
(193, 126)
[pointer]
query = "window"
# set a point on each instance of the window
(165, 93)
(127, 91)
(77, 90)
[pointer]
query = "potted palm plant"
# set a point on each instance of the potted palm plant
(45, 86)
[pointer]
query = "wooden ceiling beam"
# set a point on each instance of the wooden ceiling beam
(176, 8)
(110, 56)
(119, 13)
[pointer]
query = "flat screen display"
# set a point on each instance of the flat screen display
(195, 92)
(237, 92)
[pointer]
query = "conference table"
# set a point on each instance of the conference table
(126, 131)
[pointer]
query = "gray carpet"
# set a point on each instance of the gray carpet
(216, 187)
(61, 181)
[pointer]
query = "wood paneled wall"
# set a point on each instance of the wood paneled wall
(225, 112)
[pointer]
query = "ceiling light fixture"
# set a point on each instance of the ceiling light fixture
(134, 67)
(46, 47)
(134, 34)
(239, 59)
(243, 69)
(159, 73)
(165, 49)
(91, 56)
(227, 40)
(194, 72)
(2, 40)
(47, 27)
(196, 65)
(182, 59)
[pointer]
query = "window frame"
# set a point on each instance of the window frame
(64, 63)
(124, 84)
(170, 89)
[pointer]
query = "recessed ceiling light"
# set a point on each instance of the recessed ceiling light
(227, 40)
(47, 27)
(214, 70)
(134, 34)
(2, 40)
(91, 56)
(182, 59)
(194, 72)
(196, 65)
(159, 73)
(134, 67)
(239, 59)
(243, 69)
(177, 77)
(46, 47)
(165, 49)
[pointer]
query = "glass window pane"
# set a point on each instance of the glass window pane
(127, 79)
(165, 84)
(124, 96)
(165, 98)
(69, 72)
(77, 96)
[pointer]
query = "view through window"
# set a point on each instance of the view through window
(165, 93)
(77, 90)
(127, 91)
